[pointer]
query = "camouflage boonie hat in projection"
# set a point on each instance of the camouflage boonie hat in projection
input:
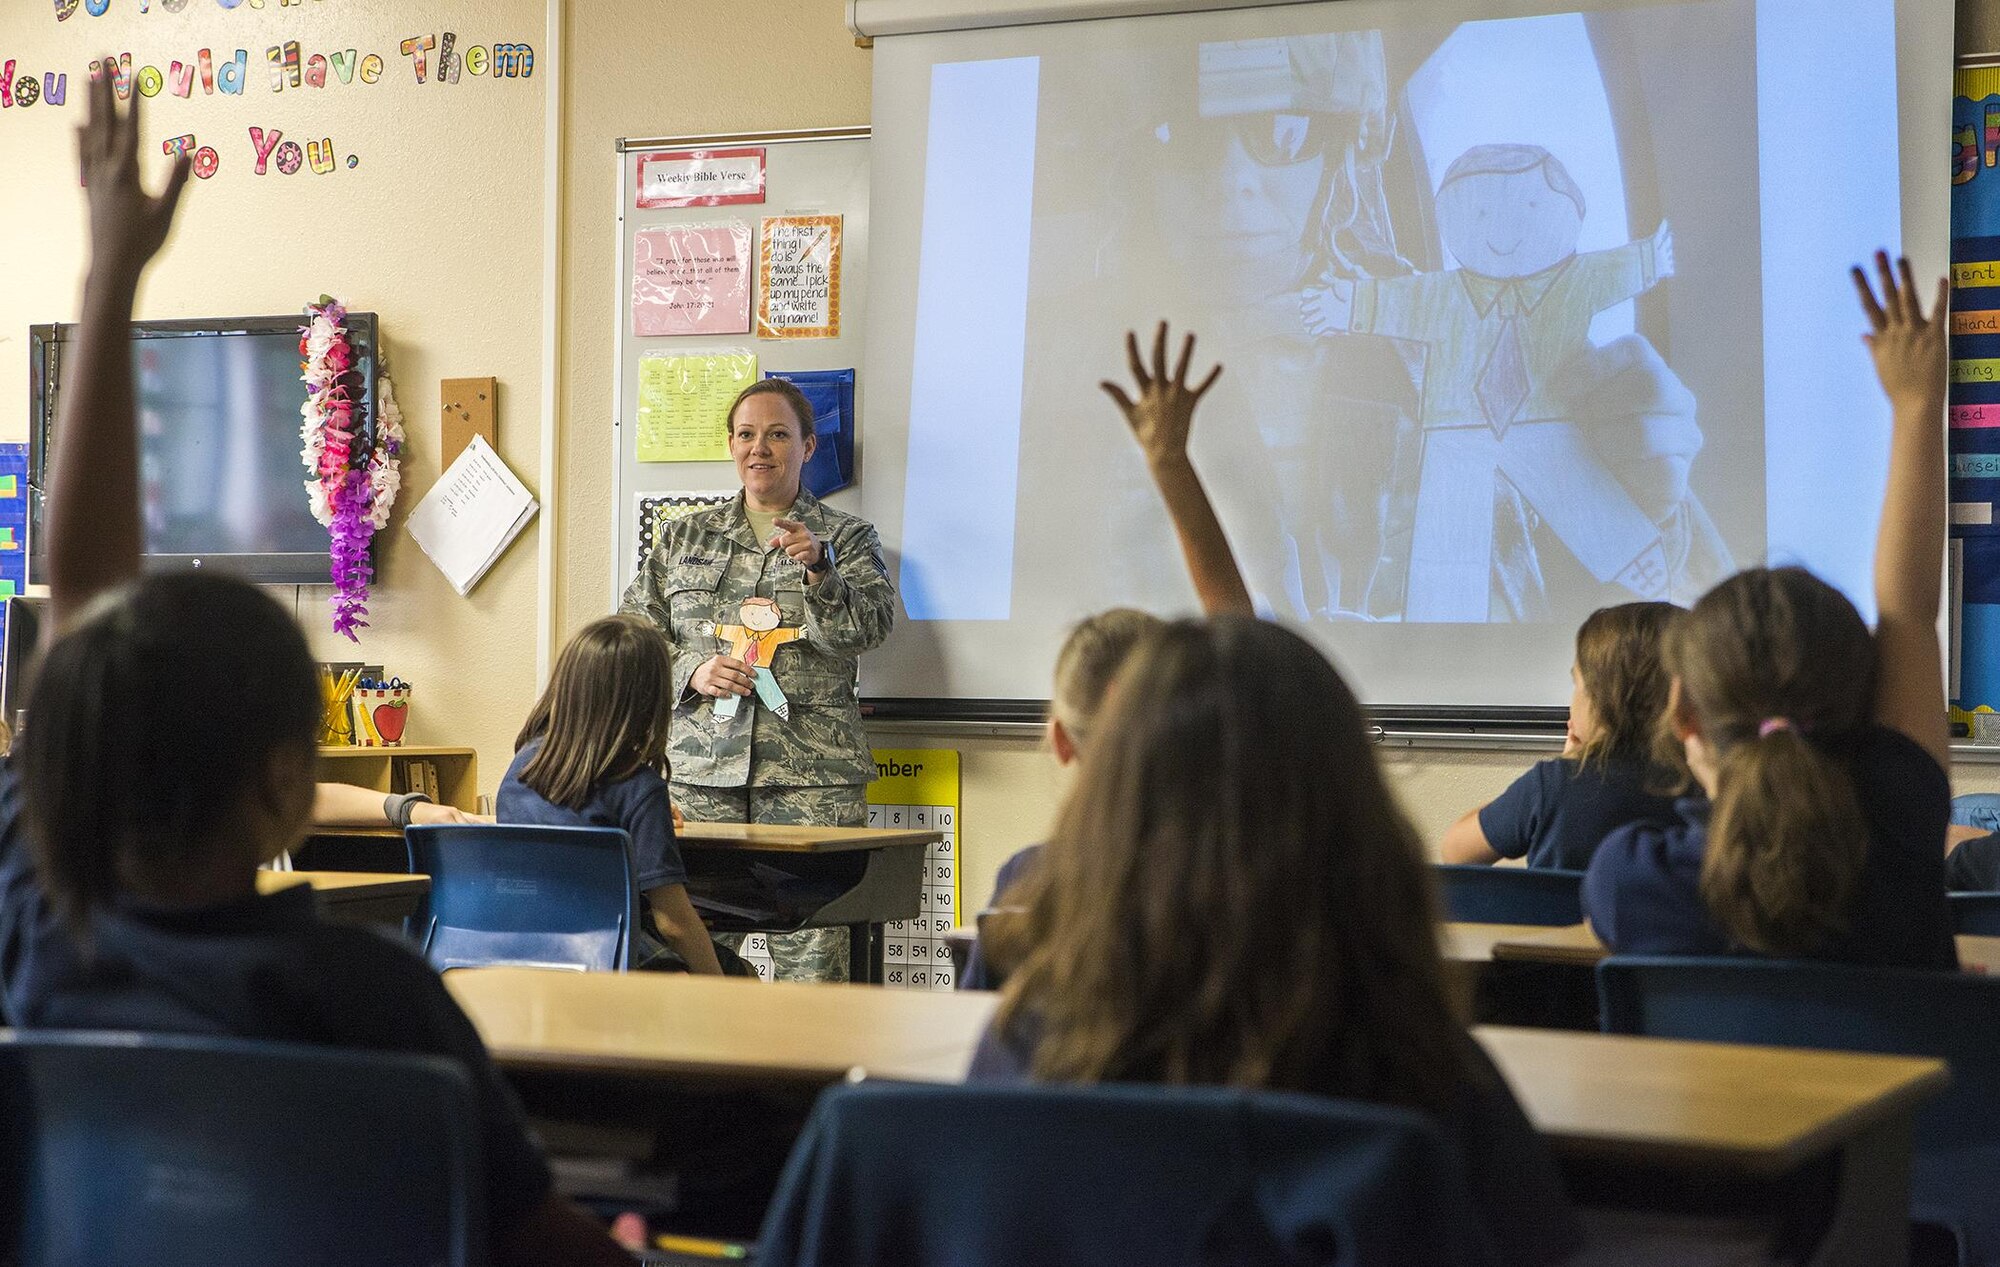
(1341, 73)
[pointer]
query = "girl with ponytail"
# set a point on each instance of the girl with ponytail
(1819, 748)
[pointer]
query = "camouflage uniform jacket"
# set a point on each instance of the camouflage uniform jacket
(703, 568)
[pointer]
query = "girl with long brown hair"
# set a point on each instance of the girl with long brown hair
(1820, 748)
(1232, 897)
(1557, 813)
(593, 754)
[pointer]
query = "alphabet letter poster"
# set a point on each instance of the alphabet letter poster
(798, 278)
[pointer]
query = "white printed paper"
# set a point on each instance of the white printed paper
(471, 515)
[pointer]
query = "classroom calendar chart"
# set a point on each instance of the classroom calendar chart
(916, 789)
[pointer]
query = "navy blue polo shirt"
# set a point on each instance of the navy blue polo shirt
(1642, 892)
(978, 974)
(638, 803)
(1513, 1178)
(1974, 867)
(1557, 813)
(261, 968)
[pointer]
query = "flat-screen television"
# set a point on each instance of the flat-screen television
(221, 481)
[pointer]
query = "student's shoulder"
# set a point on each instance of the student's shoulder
(643, 788)
(1887, 760)
(370, 984)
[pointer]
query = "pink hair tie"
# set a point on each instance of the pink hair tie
(1772, 725)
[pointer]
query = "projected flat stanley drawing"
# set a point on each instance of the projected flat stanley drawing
(1507, 369)
(1446, 441)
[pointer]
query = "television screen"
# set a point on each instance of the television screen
(221, 482)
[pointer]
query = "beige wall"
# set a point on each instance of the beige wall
(440, 229)
(437, 228)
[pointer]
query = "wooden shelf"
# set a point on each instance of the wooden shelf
(382, 770)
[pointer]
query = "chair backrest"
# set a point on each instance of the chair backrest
(551, 897)
(123, 1148)
(1951, 1016)
(1089, 1175)
(1976, 913)
(1476, 894)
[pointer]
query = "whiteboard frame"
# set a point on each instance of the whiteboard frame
(624, 147)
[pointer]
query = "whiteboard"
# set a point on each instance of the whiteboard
(815, 172)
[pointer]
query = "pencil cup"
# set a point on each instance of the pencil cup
(380, 716)
(336, 727)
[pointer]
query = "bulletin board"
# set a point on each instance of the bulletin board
(682, 205)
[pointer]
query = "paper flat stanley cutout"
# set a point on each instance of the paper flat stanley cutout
(756, 642)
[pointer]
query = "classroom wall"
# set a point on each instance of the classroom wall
(437, 227)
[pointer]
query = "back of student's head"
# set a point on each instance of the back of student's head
(174, 721)
(604, 713)
(1231, 895)
(1090, 657)
(1619, 667)
(1777, 671)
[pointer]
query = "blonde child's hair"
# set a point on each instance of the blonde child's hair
(1090, 657)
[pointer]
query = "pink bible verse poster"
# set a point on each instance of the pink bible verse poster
(691, 279)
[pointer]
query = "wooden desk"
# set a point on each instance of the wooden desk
(354, 897)
(1758, 1111)
(1576, 944)
(1653, 1113)
(675, 1026)
(874, 876)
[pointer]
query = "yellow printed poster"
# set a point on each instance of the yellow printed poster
(798, 278)
(916, 789)
(684, 401)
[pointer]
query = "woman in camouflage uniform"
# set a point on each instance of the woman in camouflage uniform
(794, 750)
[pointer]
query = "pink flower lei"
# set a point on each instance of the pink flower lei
(354, 462)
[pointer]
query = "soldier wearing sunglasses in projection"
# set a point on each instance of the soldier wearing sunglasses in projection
(1274, 183)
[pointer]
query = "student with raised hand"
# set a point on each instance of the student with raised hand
(1820, 750)
(1557, 813)
(146, 846)
(1231, 897)
(1217, 827)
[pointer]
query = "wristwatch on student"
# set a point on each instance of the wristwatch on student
(400, 807)
(825, 563)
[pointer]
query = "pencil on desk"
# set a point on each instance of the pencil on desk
(698, 1247)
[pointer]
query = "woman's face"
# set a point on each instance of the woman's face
(769, 451)
(1238, 196)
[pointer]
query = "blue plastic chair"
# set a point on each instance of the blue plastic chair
(1476, 894)
(126, 1148)
(1977, 913)
(1116, 1174)
(1954, 1017)
(547, 897)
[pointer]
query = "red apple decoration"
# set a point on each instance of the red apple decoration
(390, 718)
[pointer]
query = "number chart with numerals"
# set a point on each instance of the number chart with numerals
(917, 788)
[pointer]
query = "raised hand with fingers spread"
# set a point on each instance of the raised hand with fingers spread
(1160, 413)
(1909, 348)
(92, 515)
(1163, 409)
(128, 226)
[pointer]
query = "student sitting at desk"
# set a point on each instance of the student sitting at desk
(591, 755)
(1232, 897)
(1557, 813)
(147, 845)
(1820, 749)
